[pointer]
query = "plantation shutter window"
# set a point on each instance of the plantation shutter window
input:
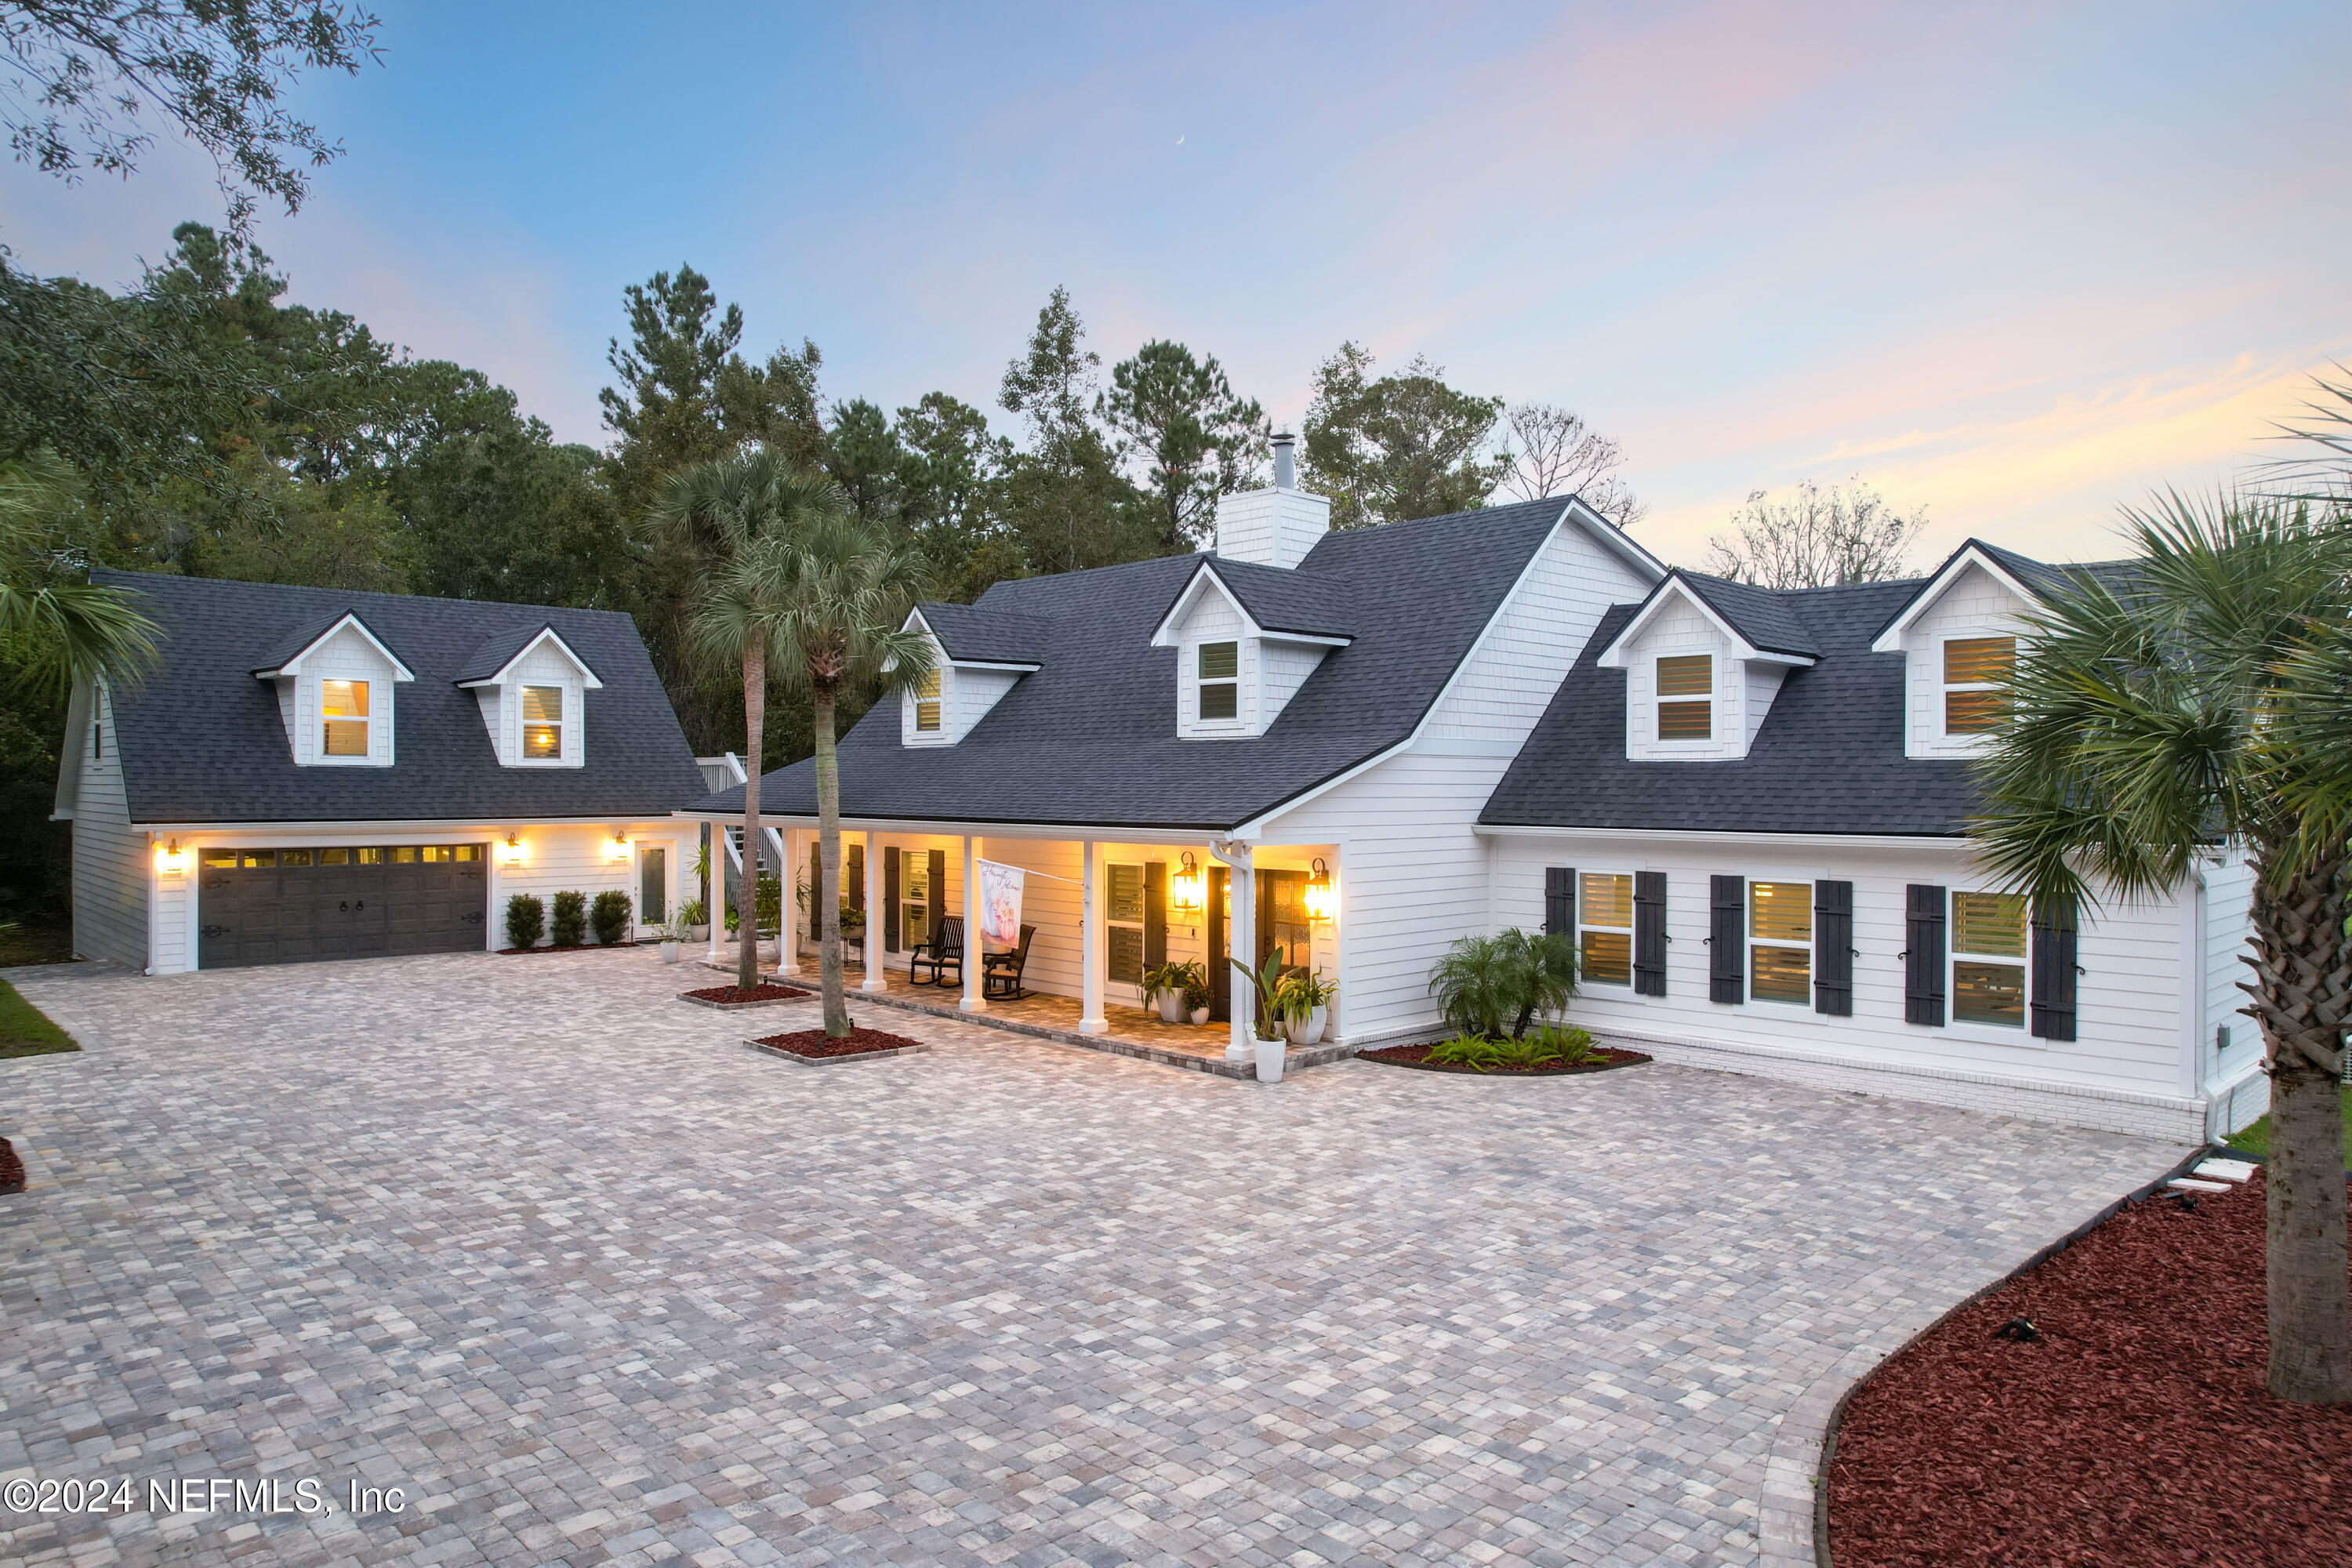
(1989, 952)
(1123, 924)
(926, 702)
(1605, 911)
(1923, 954)
(889, 898)
(1649, 934)
(543, 722)
(1833, 949)
(1727, 969)
(1780, 942)
(2055, 961)
(344, 710)
(1976, 677)
(1221, 668)
(1559, 901)
(1685, 686)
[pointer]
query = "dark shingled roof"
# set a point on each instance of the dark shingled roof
(497, 650)
(201, 738)
(977, 634)
(2036, 576)
(301, 635)
(1829, 757)
(1762, 615)
(1091, 737)
(1280, 601)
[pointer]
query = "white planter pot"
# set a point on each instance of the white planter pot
(1316, 1023)
(669, 951)
(1200, 1016)
(1269, 1061)
(702, 932)
(1171, 1005)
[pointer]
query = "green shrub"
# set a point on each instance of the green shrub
(571, 919)
(526, 920)
(609, 916)
(1497, 986)
(1547, 1046)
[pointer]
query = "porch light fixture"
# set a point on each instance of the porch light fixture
(1321, 899)
(617, 847)
(171, 859)
(1184, 899)
(511, 852)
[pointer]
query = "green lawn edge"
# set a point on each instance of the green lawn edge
(2255, 1137)
(26, 1030)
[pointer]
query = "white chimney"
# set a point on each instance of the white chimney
(1275, 526)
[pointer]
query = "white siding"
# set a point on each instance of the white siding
(489, 698)
(1271, 527)
(1213, 618)
(1676, 631)
(966, 695)
(1975, 606)
(1509, 679)
(346, 656)
(2128, 1044)
(110, 862)
(1283, 666)
(2229, 894)
(567, 858)
(544, 666)
(1763, 685)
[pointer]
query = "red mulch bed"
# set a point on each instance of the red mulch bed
(859, 1043)
(2136, 1432)
(1417, 1057)
(736, 996)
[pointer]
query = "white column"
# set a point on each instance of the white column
(972, 1001)
(788, 919)
(874, 980)
(1091, 955)
(1241, 936)
(714, 897)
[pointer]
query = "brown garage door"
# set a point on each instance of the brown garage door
(292, 906)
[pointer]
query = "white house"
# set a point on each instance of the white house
(1352, 748)
(314, 774)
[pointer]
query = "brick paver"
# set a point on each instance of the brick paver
(590, 1282)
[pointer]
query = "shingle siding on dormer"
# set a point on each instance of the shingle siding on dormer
(544, 666)
(1212, 618)
(1676, 630)
(1975, 604)
(346, 656)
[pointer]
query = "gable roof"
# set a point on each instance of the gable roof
(974, 635)
(2023, 573)
(1091, 737)
(497, 653)
(1280, 601)
(202, 741)
(1755, 618)
(311, 631)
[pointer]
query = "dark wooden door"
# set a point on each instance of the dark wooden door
(293, 906)
(1220, 973)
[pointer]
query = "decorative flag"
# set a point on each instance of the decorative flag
(1000, 902)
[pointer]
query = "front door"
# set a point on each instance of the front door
(1282, 919)
(653, 884)
(1221, 972)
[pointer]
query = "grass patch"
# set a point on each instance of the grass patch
(2255, 1139)
(26, 1030)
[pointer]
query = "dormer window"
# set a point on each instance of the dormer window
(926, 702)
(1686, 684)
(543, 722)
(1976, 672)
(1220, 670)
(344, 713)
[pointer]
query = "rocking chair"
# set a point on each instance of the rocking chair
(1000, 972)
(942, 952)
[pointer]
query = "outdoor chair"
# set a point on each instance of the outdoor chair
(942, 952)
(1000, 972)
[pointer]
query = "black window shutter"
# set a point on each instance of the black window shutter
(1649, 934)
(1922, 956)
(1727, 939)
(1833, 949)
(2053, 972)
(1559, 901)
(816, 890)
(853, 874)
(1155, 914)
(937, 896)
(889, 898)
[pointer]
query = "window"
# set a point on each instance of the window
(218, 859)
(915, 897)
(403, 855)
(1124, 932)
(543, 722)
(334, 857)
(369, 856)
(438, 854)
(294, 857)
(468, 851)
(926, 702)
(1780, 942)
(97, 741)
(1686, 676)
(1989, 958)
(1221, 668)
(343, 705)
(1604, 920)
(1976, 673)
(258, 859)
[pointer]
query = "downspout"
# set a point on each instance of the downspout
(1241, 936)
(2204, 1077)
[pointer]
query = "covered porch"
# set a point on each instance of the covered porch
(1102, 911)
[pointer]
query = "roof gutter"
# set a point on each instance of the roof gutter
(1685, 836)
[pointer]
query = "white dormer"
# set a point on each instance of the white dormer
(1696, 687)
(943, 708)
(1958, 637)
(335, 695)
(1234, 673)
(533, 692)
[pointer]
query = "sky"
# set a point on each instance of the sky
(2020, 265)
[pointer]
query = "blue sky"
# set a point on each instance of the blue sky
(2017, 263)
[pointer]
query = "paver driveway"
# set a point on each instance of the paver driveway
(554, 1254)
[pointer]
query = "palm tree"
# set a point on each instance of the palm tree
(53, 629)
(832, 594)
(2204, 701)
(721, 511)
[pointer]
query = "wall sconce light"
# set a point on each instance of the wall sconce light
(1321, 899)
(1184, 901)
(511, 852)
(617, 847)
(170, 860)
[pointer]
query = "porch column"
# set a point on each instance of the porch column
(972, 1001)
(1090, 950)
(1241, 938)
(714, 896)
(874, 981)
(788, 916)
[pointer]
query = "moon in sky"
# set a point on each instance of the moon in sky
(1179, 140)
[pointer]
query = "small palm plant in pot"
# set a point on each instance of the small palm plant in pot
(1307, 1004)
(1169, 984)
(1268, 1031)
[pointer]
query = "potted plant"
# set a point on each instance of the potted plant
(697, 920)
(675, 936)
(1307, 1004)
(1168, 984)
(1197, 1000)
(1268, 986)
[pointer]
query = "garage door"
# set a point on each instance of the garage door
(291, 906)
